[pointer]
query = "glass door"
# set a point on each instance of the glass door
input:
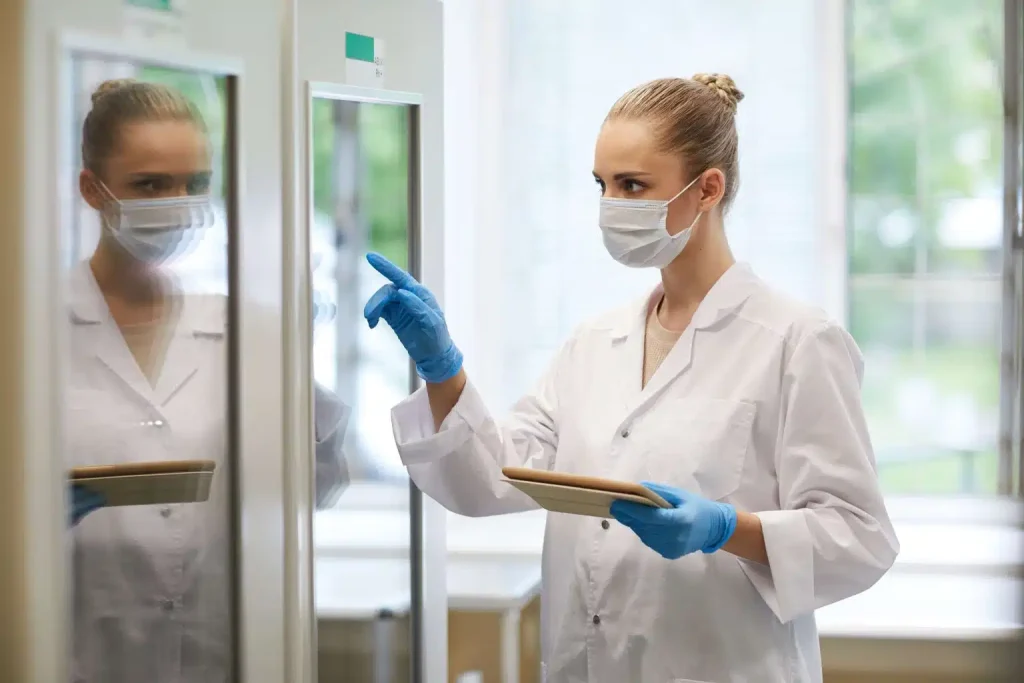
(149, 221)
(364, 162)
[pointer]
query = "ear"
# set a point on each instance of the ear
(87, 186)
(712, 189)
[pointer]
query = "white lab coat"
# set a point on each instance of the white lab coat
(758, 404)
(151, 584)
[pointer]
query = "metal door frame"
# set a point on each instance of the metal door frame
(423, 544)
(68, 45)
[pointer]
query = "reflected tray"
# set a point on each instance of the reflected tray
(154, 483)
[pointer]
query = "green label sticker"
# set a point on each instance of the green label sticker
(359, 47)
(156, 5)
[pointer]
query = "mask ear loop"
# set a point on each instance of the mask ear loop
(111, 204)
(688, 230)
(680, 193)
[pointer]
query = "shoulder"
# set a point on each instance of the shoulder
(793, 322)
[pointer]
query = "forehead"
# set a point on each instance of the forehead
(625, 144)
(166, 146)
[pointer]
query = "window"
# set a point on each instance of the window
(361, 166)
(926, 241)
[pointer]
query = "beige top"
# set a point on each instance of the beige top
(657, 343)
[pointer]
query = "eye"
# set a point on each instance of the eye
(147, 186)
(600, 184)
(632, 186)
(199, 184)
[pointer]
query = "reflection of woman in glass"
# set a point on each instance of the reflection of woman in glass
(147, 382)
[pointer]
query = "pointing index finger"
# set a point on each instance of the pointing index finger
(396, 275)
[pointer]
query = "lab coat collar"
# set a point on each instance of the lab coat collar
(628, 331)
(724, 298)
(202, 315)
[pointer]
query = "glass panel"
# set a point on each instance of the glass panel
(926, 237)
(361, 182)
(147, 392)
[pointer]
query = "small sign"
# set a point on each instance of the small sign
(155, 20)
(364, 60)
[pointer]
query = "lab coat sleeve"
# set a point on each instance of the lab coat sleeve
(460, 465)
(832, 537)
(330, 421)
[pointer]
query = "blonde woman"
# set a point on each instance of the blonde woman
(738, 405)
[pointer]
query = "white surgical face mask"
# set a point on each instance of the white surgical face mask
(156, 230)
(635, 234)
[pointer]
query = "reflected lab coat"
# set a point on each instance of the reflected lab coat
(757, 404)
(151, 584)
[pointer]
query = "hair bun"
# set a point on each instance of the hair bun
(724, 87)
(108, 87)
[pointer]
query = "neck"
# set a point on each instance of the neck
(689, 278)
(119, 275)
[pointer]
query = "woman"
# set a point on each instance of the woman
(147, 381)
(739, 406)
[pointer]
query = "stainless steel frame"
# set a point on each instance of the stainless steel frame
(68, 46)
(1011, 365)
(417, 536)
(300, 612)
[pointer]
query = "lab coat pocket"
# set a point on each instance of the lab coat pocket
(701, 444)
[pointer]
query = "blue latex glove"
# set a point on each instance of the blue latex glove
(84, 501)
(692, 524)
(412, 312)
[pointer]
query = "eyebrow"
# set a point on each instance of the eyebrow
(157, 174)
(624, 175)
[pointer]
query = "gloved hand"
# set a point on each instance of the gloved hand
(412, 312)
(693, 523)
(84, 501)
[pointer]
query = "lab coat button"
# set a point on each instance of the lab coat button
(158, 423)
(625, 433)
(605, 524)
(167, 605)
(165, 512)
(597, 620)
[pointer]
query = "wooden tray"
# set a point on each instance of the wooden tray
(577, 494)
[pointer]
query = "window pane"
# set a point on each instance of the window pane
(925, 244)
(361, 181)
(361, 188)
(146, 393)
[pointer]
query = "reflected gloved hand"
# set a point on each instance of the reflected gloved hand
(693, 523)
(84, 501)
(412, 312)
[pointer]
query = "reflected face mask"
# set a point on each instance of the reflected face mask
(635, 234)
(157, 230)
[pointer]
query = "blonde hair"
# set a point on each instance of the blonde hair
(692, 117)
(122, 101)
